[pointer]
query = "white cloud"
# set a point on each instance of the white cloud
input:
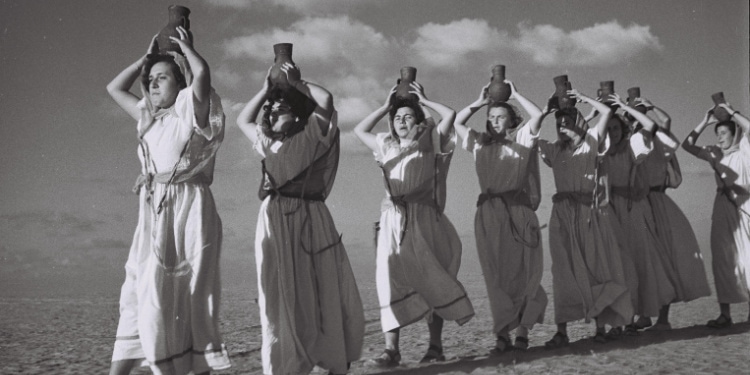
(452, 43)
(601, 44)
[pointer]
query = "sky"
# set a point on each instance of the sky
(68, 151)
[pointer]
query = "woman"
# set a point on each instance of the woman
(505, 225)
(311, 312)
(730, 222)
(169, 303)
(587, 276)
(649, 288)
(680, 254)
(418, 249)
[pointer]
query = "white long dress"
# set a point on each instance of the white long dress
(681, 256)
(587, 275)
(507, 229)
(647, 282)
(418, 249)
(730, 222)
(310, 308)
(169, 302)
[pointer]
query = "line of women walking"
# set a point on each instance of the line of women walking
(610, 172)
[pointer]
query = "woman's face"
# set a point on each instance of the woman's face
(724, 134)
(162, 85)
(614, 129)
(281, 117)
(403, 121)
(566, 129)
(500, 119)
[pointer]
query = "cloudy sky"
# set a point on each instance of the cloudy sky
(68, 152)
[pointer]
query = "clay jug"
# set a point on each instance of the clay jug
(498, 91)
(562, 85)
(606, 89)
(721, 114)
(408, 75)
(282, 54)
(633, 94)
(178, 16)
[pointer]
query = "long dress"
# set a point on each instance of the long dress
(418, 249)
(169, 302)
(648, 285)
(681, 256)
(587, 275)
(507, 229)
(310, 308)
(730, 222)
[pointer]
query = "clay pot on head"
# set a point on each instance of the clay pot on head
(562, 85)
(721, 114)
(408, 75)
(606, 89)
(633, 94)
(178, 16)
(282, 54)
(498, 90)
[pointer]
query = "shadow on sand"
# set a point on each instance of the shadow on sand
(580, 347)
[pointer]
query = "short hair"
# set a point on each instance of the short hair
(153, 59)
(410, 103)
(515, 118)
(729, 124)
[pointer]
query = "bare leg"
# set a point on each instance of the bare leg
(123, 367)
(725, 310)
(392, 338)
(436, 331)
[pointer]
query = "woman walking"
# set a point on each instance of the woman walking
(310, 308)
(505, 225)
(418, 249)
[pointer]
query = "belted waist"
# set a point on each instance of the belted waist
(163, 178)
(585, 199)
(403, 200)
(658, 189)
(315, 197)
(510, 198)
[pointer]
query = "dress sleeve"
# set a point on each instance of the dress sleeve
(640, 147)
(184, 107)
(470, 142)
(312, 129)
(711, 154)
(592, 139)
(382, 146)
(670, 142)
(525, 138)
(548, 151)
(448, 144)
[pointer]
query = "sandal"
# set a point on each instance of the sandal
(502, 345)
(631, 330)
(721, 322)
(642, 323)
(434, 354)
(522, 343)
(558, 341)
(614, 334)
(389, 358)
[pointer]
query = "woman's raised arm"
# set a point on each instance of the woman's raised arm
(119, 88)
(689, 143)
(363, 130)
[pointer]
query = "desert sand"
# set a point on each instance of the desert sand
(61, 275)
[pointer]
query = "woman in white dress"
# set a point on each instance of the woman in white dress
(169, 303)
(587, 275)
(418, 249)
(310, 308)
(730, 222)
(505, 225)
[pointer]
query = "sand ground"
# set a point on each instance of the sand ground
(73, 334)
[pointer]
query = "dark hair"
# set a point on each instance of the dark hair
(300, 105)
(406, 102)
(515, 118)
(729, 124)
(152, 60)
